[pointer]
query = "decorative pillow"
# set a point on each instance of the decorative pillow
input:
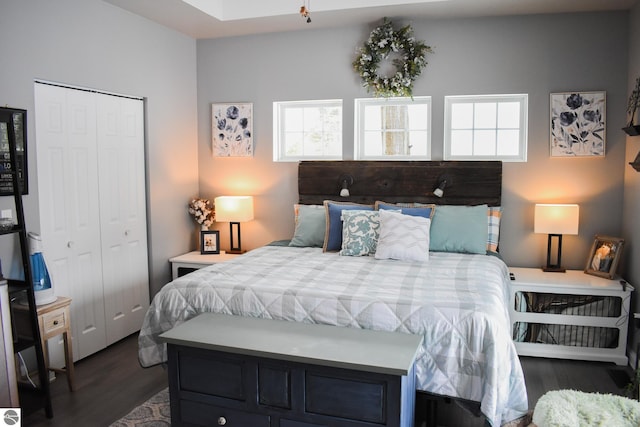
(310, 226)
(493, 217)
(403, 237)
(415, 209)
(460, 229)
(359, 232)
(333, 230)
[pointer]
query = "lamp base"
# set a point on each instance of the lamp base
(236, 252)
(557, 267)
(553, 269)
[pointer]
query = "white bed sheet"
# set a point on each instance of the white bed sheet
(458, 302)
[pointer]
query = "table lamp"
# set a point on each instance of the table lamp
(234, 209)
(555, 220)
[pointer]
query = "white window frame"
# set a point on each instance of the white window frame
(359, 137)
(279, 128)
(522, 99)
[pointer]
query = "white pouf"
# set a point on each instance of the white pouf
(570, 408)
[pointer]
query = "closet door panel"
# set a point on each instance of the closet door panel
(69, 207)
(122, 200)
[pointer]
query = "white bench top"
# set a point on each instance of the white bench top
(340, 347)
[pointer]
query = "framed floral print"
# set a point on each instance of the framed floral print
(577, 127)
(232, 129)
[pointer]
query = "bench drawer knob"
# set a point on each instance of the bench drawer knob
(222, 421)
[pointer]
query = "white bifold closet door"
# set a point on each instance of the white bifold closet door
(123, 221)
(91, 186)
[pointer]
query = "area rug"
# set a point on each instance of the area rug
(154, 412)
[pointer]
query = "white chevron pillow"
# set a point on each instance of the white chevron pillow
(403, 237)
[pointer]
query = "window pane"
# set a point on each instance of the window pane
(484, 142)
(332, 120)
(461, 142)
(293, 144)
(372, 117)
(311, 146)
(418, 141)
(333, 143)
(312, 120)
(508, 142)
(373, 143)
(509, 115)
(394, 117)
(485, 115)
(462, 116)
(395, 143)
(293, 118)
(417, 115)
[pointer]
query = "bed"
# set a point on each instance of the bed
(456, 300)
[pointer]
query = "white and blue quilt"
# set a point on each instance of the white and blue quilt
(458, 302)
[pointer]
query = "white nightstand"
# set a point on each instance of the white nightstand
(579, 311)
(191, 261)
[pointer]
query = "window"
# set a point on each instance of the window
(393, 128)
(307, 130)
(486, 127)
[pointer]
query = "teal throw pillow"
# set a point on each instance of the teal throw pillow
(459, 229)
(310, 226)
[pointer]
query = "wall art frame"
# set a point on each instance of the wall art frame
(209, 242)
(232, 129)
(577, 124)
(604, 256)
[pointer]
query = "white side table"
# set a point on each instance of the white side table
(566, 290)
(195, 261)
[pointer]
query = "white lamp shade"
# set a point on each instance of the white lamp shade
(556, 219)
(234, 208)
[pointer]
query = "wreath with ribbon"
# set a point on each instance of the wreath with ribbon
(382, 42)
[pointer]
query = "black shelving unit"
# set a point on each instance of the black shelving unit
(26, 331)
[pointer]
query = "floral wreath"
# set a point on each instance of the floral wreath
(382, 42)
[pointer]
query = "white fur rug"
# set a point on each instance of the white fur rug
(569, 408)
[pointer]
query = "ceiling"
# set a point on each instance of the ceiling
(202, 19)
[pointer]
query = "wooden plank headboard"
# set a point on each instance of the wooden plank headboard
(468, 183)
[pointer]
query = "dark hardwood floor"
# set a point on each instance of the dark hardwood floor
(111, 383)
(108, 385)
(543, 375)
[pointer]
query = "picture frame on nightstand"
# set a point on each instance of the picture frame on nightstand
(604, 256)
(209, 242)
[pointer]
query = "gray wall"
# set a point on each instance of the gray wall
(631, 230)
(534, 54)
(93, 44)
